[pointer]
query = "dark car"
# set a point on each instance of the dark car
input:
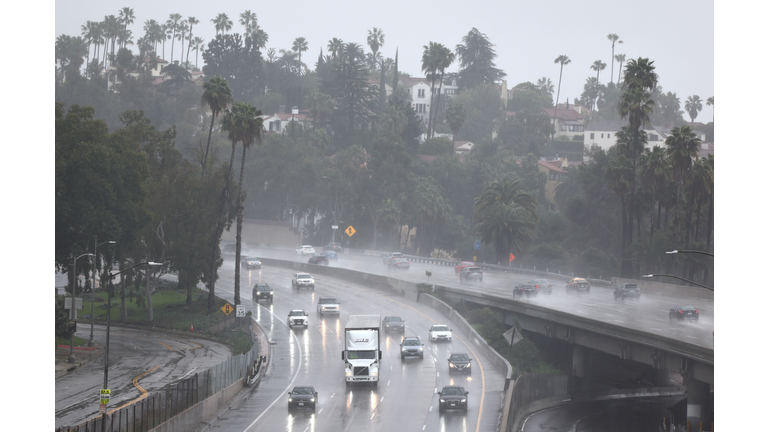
(681, 313)
(577, 285)
(302, 396)
(471, 274)
(527, 289)
(543, 285)
(250, 263)
(411, 346)
(626, 291)
(229, 248)
(393, 323)
(318, 259)
(336, 247)
(262, 292)
(459, 362)
(453, 397)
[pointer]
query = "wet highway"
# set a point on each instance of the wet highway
(405, 398)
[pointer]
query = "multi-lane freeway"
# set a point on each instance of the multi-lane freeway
(406, 395)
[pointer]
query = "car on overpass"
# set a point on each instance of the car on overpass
(463, 264)
(684, 313)
(471, 274)
(525, 289)
(318, 259)
(250, 263)
(625, 291)
(577, 285)
(542, 285)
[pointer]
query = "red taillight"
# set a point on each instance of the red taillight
(680, 311)
(536, 286)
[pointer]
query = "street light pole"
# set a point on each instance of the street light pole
(93, 285)
(109, 313)
(691, 251)
(72, 307)
(678, 277)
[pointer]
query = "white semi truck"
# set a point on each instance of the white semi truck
(362, 349)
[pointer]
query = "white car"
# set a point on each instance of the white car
(303, 280)
(298, 317)
(440, 332)
(306, 249)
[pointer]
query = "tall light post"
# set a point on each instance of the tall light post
(93, 285)
(294, 111)
(678, 277)
(109, 310)
(72, 307)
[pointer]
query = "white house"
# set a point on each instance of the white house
(278, 122)
(419, 89)
(602, 133)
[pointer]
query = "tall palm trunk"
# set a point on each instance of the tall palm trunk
(439, 90)
(207, 146)
(238, 237)
(223, 201)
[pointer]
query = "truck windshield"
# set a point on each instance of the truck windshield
(354, 355)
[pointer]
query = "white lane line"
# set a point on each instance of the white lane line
(618, 321)
(382, 399)
(372, 415)
(656, 329)
(425, 426)
(298, 345)
(333, 394)
(692, 337)
(387, 384)
(321, 410)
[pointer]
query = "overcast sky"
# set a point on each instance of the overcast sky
(677, 35)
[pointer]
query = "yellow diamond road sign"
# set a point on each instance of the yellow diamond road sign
(227, 308)
(350, 231)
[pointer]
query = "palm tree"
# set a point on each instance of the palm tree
(222, 23)
(640, 73)
(218, 96)
(444, 59)
(693, 106)
(335, 47)
(545, 86)
(455, 116)
(682, 146)
(243, 123)
(375, 39)
(597, 66)
(126, 17)
(249, 21)
(183, 28)
(620, 174)
(111, 27)
(173, 24)
(192, 21)
(505, 216)
(299, 45)
(654, 168)
(711, 102)
(199, 45)
(88, 31)
(613, 38)
(619, 58)
(563, 60)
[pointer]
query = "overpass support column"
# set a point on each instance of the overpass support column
(700, 406)
(582, 362)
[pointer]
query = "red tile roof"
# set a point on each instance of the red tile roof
(564, 114)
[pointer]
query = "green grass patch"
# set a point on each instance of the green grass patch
(170, 311)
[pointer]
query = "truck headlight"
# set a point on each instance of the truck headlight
(349, 372)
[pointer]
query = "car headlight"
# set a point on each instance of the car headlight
(402, 349)
(450, 365)
(290, 399)
(463, 400)
(442, 400)
(469, 364)
(421, 348)
(312, 399)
